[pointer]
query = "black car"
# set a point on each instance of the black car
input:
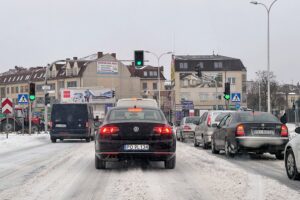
(135, 133)
(72, 121)
(257, 132)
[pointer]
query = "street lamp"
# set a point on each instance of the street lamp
(268, 78)
(158, 70)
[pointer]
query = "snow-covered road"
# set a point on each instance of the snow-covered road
(34, 168)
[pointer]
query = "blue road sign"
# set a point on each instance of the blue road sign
(236, 97)
(237, 106)
(23, 98)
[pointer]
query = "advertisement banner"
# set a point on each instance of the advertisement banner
(84, 95)
(209, 80)
(107, 67)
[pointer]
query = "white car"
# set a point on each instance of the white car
(292, 157)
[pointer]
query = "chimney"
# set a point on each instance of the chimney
(75, 58)
(99, 54)
(114, 55)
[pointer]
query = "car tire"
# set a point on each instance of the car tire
(227, 150)
(279, 155)
(88, 139)
(171, 163)
(213, 147)
(290, 165)
(196, 144)
(205, 144)
(53, 140)
(99, 163)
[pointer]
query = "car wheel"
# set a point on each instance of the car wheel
(53, 140)
(213, 147)
(196, 144)
(279, 155)
(99, 163)
(228, 150)
(290, 165)
(170, 164)
(88, 139)
(205, 144)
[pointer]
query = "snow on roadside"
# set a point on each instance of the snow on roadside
(16, 142)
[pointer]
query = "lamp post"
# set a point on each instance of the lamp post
(268, 9)
(158, 70)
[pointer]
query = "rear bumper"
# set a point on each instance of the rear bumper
(158, 150)
(188, 134)
(70, 134)
(267, 144)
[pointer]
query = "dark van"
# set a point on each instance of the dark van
(72, 121)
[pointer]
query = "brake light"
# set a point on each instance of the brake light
(109, 129)
(209, 120)
(240, 130)
(284, 131)
(135, 109)
(164, 130)
(186, 127)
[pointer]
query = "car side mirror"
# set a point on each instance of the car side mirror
(214, 125)
(297, 130)
(171, 124)
(218, 126)
(97, 124)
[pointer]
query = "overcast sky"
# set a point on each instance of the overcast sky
(37, 32)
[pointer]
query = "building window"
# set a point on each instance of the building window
(151, 73)
(154, 86)
(155, 73)
(39, 88)
(183, 65)
(7, 90)
(218, 65)
(145, 73)
(72, 84)
(52, 86)
(185, 95)
(61, 84)
(12, 90)
(231, 80)
(26, 88)
(203, 96)
(3, 92)
(22, 89)
(17, 89)
(145, 86)
(201, 65)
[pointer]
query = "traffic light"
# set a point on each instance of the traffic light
(31, 91)
(198, 70)
(47, 99)
(113, 94)
(139, 59)
(227, 91)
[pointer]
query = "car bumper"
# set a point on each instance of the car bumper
(188, 134)
(262, 143)
(111, 150)
(207, 136)
(70, 134)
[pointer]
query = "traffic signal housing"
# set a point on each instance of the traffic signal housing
(138, 59)
(227, 91)
(47, 99)
(198, 70)
(31, 91)
(113, 94)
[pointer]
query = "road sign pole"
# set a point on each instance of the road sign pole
(46, 118)
(6, 126)
(29, 117)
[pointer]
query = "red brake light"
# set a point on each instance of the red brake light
(135, 109)
(209, 120)
(284, 131)
(109, 129)
(240, 130)
(164, 130)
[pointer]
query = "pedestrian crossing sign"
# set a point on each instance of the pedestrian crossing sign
(236, 97)
(23, 98)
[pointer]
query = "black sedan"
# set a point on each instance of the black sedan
(257, 132)
(135, 133)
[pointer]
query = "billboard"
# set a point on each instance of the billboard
(86, 95)
(107, 67)
(191, 80)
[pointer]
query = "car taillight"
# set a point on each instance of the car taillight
(186, 127)
(164, 130)
(284, 131)
(109, 129)
(209, 120)
(240, 130)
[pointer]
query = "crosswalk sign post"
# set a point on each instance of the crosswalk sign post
(23, 99)
(236, 97)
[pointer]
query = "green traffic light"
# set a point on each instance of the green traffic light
(31, 97)
(138, 63)
(227, 96)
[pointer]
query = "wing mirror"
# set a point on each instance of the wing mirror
(297, 130)
(197, 123)
(218, 126)
(171, 123)
(214, 125)
(97, 124)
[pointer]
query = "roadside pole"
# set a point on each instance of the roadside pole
(29, 117)
(6, 126)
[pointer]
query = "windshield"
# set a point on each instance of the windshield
(140, 114)
(257, 117)
(69, 113)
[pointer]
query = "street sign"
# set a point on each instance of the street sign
(237, 106)
(7, 106)
(46, 87)
(236, 97)
(23, 99)
(187, 105)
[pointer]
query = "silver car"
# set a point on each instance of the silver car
(292, 157)
(206, 126)
(186, 130)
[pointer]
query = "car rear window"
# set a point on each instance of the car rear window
(192, 120)
(132, 114)
(69, 112)
(257, 117)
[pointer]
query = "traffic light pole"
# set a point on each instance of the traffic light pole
(29, 117)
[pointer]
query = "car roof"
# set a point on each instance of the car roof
(137, 101)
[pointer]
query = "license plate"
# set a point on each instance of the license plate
(136, 147)
(263, 132)
(61, 125)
